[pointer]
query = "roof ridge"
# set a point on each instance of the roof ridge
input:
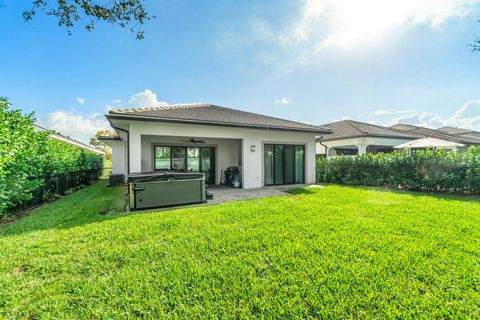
(352, 123)
(159, 107)
(444, 135)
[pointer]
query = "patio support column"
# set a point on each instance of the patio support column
(135, 151)
(252, 163)
(362, 149)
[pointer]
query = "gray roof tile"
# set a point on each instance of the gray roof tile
(213, 115)
(465, 138)
(352, 129)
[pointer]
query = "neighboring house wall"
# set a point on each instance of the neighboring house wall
(252, 161)
(360, 143)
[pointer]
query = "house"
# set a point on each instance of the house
(211, 139)
(353, 137)
(463, 134)
(59, 137)
(457, 135)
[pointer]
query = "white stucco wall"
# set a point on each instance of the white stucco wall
(251, 161)
(119, 155)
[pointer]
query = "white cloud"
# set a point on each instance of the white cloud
(338, 25)
(346, 24)
(467, 117)
(80, 100)
(282, 101)
(76, 126)
(146, 98)
(386, 112)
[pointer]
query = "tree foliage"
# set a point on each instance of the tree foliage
(438, 171)
(124, 13)
(100, 145)
(28, 157)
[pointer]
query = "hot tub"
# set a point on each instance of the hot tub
(165, 189)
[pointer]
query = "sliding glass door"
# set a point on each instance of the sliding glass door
(192, 159)
(284, 164)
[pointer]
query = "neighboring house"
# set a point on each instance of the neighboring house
(57, 136)
(462, 134)
(457, 135)
(210, 139)
(353, 137)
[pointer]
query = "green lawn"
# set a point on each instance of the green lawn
(337, 252)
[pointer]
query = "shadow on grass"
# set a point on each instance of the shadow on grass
(302, 191)
(92, 204)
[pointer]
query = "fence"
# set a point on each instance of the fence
(58, 184)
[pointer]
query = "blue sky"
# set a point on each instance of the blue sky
(317, 61)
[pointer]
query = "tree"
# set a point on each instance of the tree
(125, 13)
(475, 46)
(22, 155)
(97, 144)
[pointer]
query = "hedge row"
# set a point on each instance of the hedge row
(433, 171)
(28, 157)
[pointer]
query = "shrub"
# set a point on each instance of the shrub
(435, 171)
(28, 157)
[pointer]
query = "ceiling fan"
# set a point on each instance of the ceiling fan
(193, 140)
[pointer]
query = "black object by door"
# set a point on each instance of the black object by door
(284, 164)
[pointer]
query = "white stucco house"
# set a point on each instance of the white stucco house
(59, 137)
(353, 137)
(210, 139)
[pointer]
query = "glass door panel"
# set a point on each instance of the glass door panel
(289, 164)
(178, 158)
(284, 164)
(299, 164)
(162, 158)
(278, 164)
(268, 164)
(193, 159)
(207, 164)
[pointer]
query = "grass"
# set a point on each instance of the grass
(337, 252)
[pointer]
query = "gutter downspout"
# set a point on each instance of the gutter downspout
(319, 141)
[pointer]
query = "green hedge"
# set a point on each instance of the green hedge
(433, 171)
(28, 157)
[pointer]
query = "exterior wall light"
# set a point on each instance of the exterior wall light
(253, 148)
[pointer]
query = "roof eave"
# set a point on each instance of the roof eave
(111, 116)
(368, 135)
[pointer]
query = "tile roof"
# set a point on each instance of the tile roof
(454, 130)
(213, 115)
(352, 129)
(466, 135)
(467, 138)
(58, 136)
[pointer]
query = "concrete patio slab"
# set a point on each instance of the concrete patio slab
(223, 194)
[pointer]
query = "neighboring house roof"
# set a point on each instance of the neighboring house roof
(57, 136)
(212, 115)
(454, 130)
(428, 143)
(353, 129)
(110, 138)
(439, 134)
(469, 136)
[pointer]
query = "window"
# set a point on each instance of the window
(162, 158)
(194, 159)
